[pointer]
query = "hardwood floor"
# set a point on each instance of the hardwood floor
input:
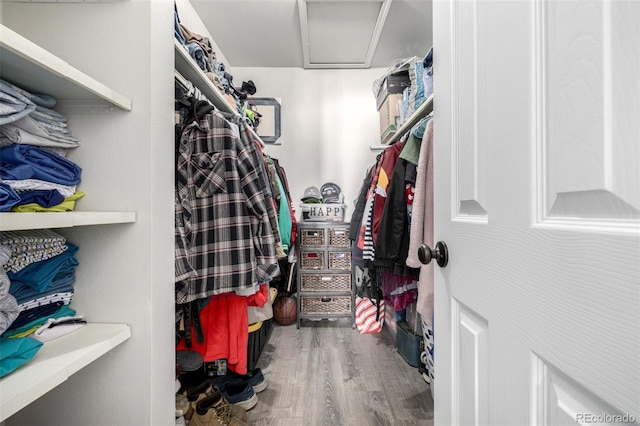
(328, 374)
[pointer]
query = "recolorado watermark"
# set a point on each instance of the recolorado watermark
(605, 418)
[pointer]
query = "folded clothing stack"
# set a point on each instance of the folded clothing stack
(34, 140)
(41, 271)
(27, 118)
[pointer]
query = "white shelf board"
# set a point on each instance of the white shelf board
(423, 110)
(187, 68)
(12, 221)
(55, 361)
(33, 68)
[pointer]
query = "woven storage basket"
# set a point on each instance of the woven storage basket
(326, 283)
(340, 260)
(326, 305)
(312, 260)
(312, 237)
(339, 238)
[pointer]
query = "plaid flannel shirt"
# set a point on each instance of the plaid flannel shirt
(223, 211)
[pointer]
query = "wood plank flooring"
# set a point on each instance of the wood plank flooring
(328, 374)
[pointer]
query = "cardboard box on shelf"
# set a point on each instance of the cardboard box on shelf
(390, 115)
(392, 84)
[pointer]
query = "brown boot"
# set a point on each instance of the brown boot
(205, 389)
(214, 410)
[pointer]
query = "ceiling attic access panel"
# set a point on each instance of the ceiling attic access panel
(341, 34)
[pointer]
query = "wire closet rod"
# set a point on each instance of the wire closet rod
(423, 110)
(186, 84)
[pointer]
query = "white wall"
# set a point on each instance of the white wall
(329, 121)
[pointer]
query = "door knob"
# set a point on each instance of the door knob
(440, 254)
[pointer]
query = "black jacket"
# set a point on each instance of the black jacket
(392, 244)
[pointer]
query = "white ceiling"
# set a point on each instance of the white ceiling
(340, 33)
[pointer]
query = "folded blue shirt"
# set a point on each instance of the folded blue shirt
(62, 283)
(42, 197)
(39, 275)
(35, 314)
(64, 311)
(18, 162)
(8, 197)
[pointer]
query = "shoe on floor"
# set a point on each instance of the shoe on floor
(214, 410)
(182, 405)
(206, 389)
(255, 377)
(240, 394)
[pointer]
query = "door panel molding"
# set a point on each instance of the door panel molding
(581, 86)
(469, 150)
(470, 351)
(558, 399)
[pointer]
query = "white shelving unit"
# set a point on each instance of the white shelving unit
(34, 68)
(55, 362)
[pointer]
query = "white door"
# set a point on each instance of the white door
(537, 195)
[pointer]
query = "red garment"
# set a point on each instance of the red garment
(387, 165)
(260, 297)
(226, 331)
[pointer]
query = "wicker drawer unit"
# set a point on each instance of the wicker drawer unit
(325, 282)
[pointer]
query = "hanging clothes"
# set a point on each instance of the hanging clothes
(225, 217)
(422, 224)
(292, 215)
(223, 322)
(385, 172)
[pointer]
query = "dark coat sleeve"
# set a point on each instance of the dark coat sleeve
(393, 230)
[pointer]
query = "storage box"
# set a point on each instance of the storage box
(257, 341)
(334, 305)
(408, 344)
(339, 238)
(393, 84)
(312, 260)
(312, 237)
(323, 212)
(340, 260)
(325, 282)
(390, 115)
